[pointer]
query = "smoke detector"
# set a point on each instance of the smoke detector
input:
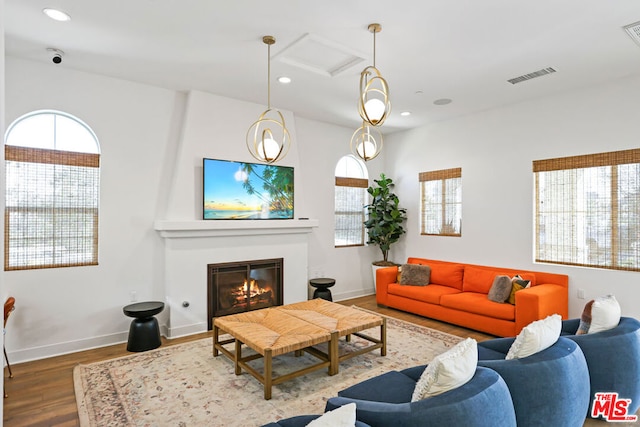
(634, 31)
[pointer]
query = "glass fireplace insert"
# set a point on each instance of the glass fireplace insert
(236, 287)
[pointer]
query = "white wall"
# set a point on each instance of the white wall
(323, 146)
(495, 150)
(66, 309)
(215, 127)
(151, 170)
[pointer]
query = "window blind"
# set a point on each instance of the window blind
(350, 196)
(441, 202)
(588, 210)
(51, 208)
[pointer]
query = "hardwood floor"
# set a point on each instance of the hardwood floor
(41, 392)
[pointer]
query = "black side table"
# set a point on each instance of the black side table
(144, 333)
(322, 285)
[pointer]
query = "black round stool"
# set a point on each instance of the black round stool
(322, 285)
(144, 333)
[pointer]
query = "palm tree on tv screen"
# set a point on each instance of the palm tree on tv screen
(276, 183)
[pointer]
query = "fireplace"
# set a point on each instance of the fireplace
(235, 287)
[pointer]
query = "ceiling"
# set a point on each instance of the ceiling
(463, 50)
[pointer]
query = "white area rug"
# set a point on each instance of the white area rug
(184, 385)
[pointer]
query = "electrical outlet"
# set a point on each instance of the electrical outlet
(581, 293)
(133, 296)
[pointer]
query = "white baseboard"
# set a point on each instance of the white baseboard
(58, 349)
(183, 331)
(353, 294)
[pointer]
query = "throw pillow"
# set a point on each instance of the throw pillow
(585, 319)
(517, 284)
(529, 277)
(535, 337)
(605, 314)
(500, 290)
(414, 274)
(448, 370)
(344, 416)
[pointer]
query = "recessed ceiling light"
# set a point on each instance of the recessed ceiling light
(442, 101)
(284, 80)
(56, 14)
(405, 113)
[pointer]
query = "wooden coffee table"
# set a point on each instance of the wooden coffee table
(346, 320)
(295, 328)
(271, 332)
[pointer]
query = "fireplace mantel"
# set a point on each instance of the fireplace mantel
(229, 228)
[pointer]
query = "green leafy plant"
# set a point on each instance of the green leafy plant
(384, 217)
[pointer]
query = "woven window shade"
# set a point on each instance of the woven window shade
(352, 182)
(441, 202)
(350, 196)
(588, 161)
(588, 210)
(51, 208)
(440, 175)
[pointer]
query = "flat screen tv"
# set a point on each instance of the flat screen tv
(237, 190)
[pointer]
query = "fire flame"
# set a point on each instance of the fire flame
(251, 288)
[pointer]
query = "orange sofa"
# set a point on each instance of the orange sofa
(457, 293)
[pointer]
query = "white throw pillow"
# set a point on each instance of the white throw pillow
(605, 314)
(535, 337)
(344, 416)
(448, 370)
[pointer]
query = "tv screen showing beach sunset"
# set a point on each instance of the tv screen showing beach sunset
(236, 190)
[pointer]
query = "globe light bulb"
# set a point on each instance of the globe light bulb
(366, 142)
(268, 149)
(366, 149)
(374, 109)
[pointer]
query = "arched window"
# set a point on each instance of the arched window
(350, 195)
(52, 192)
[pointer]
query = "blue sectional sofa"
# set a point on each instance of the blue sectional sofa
(385, 401)
(555, 386)
(613, 358)
(548, 388)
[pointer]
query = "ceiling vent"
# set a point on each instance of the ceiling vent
(525, 77)
(634, 31)
(319, 55)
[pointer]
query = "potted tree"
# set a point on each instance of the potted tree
(384, 219)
